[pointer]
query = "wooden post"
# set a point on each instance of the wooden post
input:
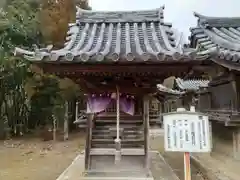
(211, 137)
(76, 111)
(187, 166)
(236, 144)
(88, 140)
(146, 129)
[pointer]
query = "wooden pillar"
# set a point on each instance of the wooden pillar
(88, 140)
(179, 103)
(211, 137)
(236, 144)
(146, 129)
(76, 111)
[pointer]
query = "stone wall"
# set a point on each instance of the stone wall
(222, 139)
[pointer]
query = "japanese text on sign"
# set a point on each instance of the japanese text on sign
(186, 132)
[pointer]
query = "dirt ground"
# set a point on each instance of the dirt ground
(37, 160)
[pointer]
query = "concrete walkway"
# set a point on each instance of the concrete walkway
(158, 170)
(75, 170)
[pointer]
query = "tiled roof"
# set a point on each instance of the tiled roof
(218, 34)
(191, 85)
(164, 89)
(134, 36)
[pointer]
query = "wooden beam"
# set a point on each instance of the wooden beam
(144, 68)
(236, 144)
(227, 64)
(101, 89)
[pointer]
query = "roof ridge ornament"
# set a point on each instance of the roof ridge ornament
(161, 12)
(198, 15)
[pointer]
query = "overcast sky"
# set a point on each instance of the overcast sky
(178, 12)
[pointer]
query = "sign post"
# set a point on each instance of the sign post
(187, 166)
(186, 131)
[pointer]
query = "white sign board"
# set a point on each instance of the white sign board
(186, 132)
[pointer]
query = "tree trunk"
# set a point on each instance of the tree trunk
(54, 127)
(66, 122)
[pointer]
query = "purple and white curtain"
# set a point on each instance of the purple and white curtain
(97, 104)
(127, 105)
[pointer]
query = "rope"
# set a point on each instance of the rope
(118, 112)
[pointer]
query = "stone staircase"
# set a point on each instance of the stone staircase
(102, 153)
(131, 132)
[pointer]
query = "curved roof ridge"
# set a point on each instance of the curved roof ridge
(160, 9)
(95, 16)
(214, 21)
(201, 16)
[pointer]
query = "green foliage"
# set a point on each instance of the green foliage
(14, 106)
(28, 97)
(47, 94)
(19, 24)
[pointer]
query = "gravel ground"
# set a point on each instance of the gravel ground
(37, 160)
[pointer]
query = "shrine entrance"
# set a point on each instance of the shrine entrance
(118, 58)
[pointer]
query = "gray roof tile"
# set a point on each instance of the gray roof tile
(118, 36)
(191, 84)
(219, 34)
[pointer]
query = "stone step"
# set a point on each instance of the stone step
(123, 141)
(124, 136)
(125, 126)
(117, 178)
(113, 121)
(151, 121)
(114, 116)
(119, 174)
(96, 145)
(125, 131)
(112, 151)
(122, 130)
